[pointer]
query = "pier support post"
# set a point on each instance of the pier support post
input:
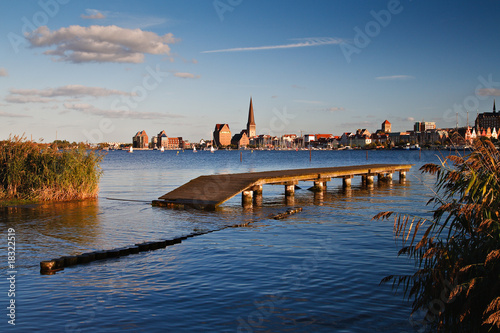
(402, 176)
(319, 185)
(257, 195)
(346, 181)
(247, 198)
(389, 176)
(289, 190)
(369, 179)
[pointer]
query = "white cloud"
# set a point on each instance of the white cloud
(186, 75)
(304, 42)
(72, 90)
(28, 99)
(334, 109)
(395, 77)
(92, 14)
(488, 92)
(91, 110)
(13, 115)
(96, 43)
(410, 119)
(3, 72)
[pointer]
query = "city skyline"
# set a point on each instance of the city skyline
(99, 71)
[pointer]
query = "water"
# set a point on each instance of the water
(318, 270)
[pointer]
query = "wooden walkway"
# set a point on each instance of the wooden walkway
(207, 192)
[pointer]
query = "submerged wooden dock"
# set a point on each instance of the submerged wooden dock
(208, 192)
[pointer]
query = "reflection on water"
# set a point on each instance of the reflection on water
(318, 270)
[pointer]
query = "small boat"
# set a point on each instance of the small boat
(131, 150)
(212, 149)
(194, 149)
(162, 148)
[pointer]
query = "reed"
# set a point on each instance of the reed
(29, 171)
(457, 252)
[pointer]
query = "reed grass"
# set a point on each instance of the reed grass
(29, 171)
(457, 252)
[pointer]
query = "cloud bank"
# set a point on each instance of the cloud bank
(48, 95)
(72, 90)
(96, 43)
(91, 110)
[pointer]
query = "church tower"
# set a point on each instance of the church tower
(251, 122)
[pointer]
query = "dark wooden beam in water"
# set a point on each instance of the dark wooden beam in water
(207, 192)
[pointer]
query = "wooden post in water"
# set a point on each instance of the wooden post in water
(346, 181)
(367, 155)
(289, 190)
(257, 195)
(247, 198)
(241, 156)
(420, 154)
(402, 176)
(310, 154)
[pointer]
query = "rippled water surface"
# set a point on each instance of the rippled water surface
(316, 271)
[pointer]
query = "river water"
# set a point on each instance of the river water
(316, 271)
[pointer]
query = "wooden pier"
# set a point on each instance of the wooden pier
(208, 192)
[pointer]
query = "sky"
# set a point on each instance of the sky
(100, 71)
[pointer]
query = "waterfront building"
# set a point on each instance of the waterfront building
(251, 130)
(431, 136)
(361, 140)
(386, 126)
(346, 138)
(422, 126)
(488, 119)
(222, 135)
(308, 138)
(240, 140)
(140, 140)
(363, 132)
(169, 142)
(162, 140)
(399, 137)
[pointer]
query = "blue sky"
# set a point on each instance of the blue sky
(103, 70)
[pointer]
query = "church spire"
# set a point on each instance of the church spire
(494, 108)
(251, 121)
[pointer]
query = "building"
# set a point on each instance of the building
(251, 131)
(488, 119)
(423, 126)
(240, 139)
(162, 140)
(346, 138)
(222, 134)
(386, 127)
(140, 140)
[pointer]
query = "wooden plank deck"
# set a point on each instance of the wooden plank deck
(207, 192)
